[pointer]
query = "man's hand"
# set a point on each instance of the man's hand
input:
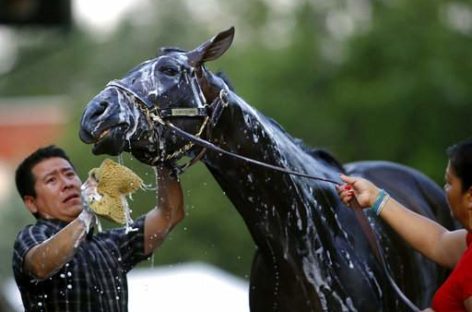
(88, 194)
(89, 191)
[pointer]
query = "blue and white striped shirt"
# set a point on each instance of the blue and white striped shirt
(93, 280)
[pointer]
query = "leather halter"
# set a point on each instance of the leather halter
(209, 112)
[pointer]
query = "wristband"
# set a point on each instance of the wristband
(380, 201)
(87, 218)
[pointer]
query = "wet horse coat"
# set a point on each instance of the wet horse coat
(311, 253)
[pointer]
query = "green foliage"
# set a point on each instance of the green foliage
(400, 91)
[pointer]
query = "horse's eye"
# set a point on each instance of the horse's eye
(168, 70)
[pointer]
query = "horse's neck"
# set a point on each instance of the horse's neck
(245, 131)
(268, 201)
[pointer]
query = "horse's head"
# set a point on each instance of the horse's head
(130, 113)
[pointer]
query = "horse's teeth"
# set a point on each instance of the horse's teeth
(104, 133)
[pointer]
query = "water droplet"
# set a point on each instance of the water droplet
(69, 286)
(62, 275)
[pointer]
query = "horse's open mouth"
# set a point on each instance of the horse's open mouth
(103, 134)
(110, 141)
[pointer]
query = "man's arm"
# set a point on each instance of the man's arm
(168, 212)
(45, 259)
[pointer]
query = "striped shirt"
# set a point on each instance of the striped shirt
(93, 280)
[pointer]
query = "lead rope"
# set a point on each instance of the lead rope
(374, 246)
(360, 216)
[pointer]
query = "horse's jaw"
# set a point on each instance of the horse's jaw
(144, 148)
(110, 141)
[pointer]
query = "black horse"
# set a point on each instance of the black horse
(311, 253)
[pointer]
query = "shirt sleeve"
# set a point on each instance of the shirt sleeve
(26, 239)
(131, 243)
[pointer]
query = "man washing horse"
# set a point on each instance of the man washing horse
(58, 263)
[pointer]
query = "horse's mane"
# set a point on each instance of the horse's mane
(314, 152)
(317, 153)
(226, 80)
(325, 156)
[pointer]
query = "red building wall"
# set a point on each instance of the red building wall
(24, 128)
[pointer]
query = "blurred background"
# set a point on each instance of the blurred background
(363, 79)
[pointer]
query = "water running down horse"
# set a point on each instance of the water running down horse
(311, 254)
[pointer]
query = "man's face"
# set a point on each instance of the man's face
(57, 189)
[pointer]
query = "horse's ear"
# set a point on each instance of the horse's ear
(211, 49)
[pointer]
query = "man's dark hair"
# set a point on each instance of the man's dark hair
(24, 175)
(460, 159)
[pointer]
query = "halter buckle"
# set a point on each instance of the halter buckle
(184, 112)
(217, 106)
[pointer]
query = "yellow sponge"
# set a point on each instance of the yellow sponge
(114, 182)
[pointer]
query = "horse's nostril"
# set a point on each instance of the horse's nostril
(103, 105)
(100, 109)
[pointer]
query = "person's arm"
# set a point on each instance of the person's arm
(168, 212)
(426, 236)
(48, 257)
